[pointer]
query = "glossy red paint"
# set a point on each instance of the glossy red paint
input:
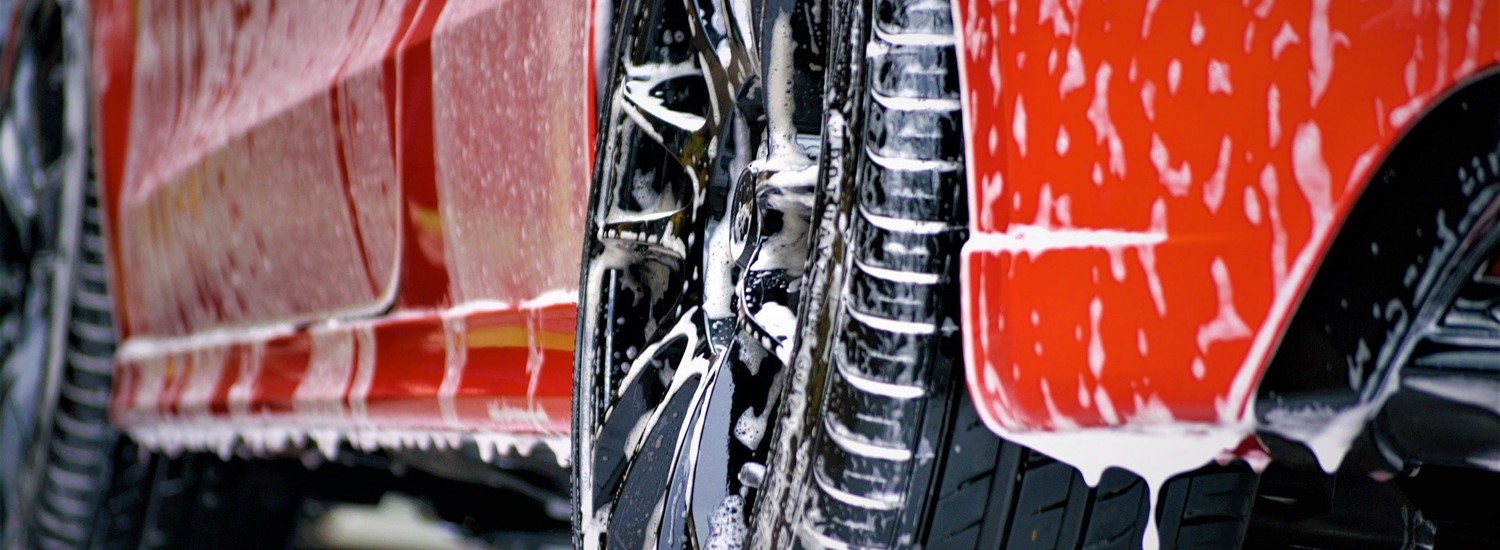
(1152, 186)
(259, 184)
(480, 371)
(113, 70)
(424, 276)
(509, 134)
(329, 215)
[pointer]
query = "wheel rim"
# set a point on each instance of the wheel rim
(691, 274)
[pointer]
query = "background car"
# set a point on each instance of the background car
(712, 273)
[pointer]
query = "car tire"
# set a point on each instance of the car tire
(59, 339)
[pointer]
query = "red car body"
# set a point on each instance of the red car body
(362, 220)
(351, 217)
(1152, 188)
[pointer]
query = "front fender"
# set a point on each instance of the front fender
(1152, 188)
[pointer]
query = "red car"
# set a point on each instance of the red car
(822, 273)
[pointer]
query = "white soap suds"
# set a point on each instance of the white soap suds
(1226, 325)
(1286, 36)
(225, 438)
(1319, 51)
(1148, 99)
(455, 357)
(1156, 453)
(1018, 126)
(1148, 257)
(1218, 78)
(1073, 76)
(1104, 127)
(1056, 419)
(1310, 169)
(1273, 115)
(1151, 6)
(1213, 188)
(1326, 431)
(1177, 180)
(1252, 206)
(1270, 187)
(750, 428)
(1174, 76)
(1033, 240)
(1096, 342)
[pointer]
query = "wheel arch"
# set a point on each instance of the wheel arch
(1404, 232)
(1189, 282)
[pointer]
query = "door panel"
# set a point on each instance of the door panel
(259, 182)
(512, 165)
(356, 221)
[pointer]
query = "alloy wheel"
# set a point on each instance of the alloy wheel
(703, 189)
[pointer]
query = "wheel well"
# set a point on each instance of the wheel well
(1386, 260)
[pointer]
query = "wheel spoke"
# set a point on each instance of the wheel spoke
(643, 390)
(629, 523)
(719, 39)
(658, 406)
(648, 96)
(658, 232)
(1457, 349)
(1477, 306)
(723, 431)
(769, 290)
(1466, 333)
(701, 484)
(675, 436)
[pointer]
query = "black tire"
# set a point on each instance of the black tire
(882, 335)
(82, 452)
(64, 461)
